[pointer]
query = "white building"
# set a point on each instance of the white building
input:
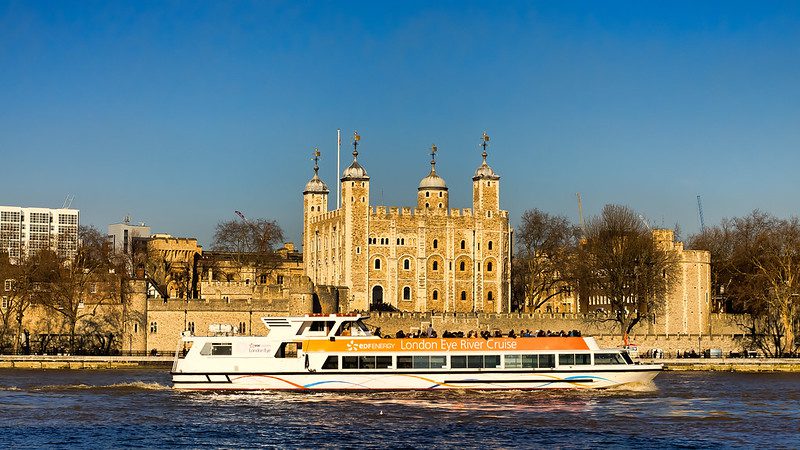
(121, 235)
(25, 231)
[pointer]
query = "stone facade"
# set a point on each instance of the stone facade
(427, 258)
(687, 308)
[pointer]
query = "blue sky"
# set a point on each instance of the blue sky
(179, 113)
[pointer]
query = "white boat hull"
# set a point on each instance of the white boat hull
(489, 380)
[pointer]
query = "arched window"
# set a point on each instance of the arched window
(440, 194)
(440, 205)
(489, 296)
(377, 264)
(435, 265)
(463, 295)
(406, 264)
(436, 295)
(462, 266)
(427, 205)
(463, 244)
(435, 243)
(406, 293)
(489, 266)
(490, 245)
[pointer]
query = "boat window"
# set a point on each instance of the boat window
(627, 357)
(583, 359)
(383, 362)
(219, 349)
(566, 360)
(404, 362)
(547, 361)
(366, 362)
(206, 350)
(608, 358)
(289, 350)
(437, 362)
(349, 362)
(422, 362)
(332, 362)
(458, 362)
(474, 361)
(491, 361)
(513, 361)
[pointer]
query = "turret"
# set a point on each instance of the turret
(355, 211)
(485, 187)
(432, 193)
(315, 203)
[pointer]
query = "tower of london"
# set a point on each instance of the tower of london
(424, 258)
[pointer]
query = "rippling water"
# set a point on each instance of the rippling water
(102, 409)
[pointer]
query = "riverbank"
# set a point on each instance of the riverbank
(728, 364)
(84, 362)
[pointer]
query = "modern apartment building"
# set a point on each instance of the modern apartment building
(25, 231)
(121, 235)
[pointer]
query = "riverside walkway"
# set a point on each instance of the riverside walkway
(84, 362)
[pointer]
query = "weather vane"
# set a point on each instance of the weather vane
(356, 138)
(316, 159)
(484, 144)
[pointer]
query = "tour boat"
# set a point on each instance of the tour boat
(338, 352)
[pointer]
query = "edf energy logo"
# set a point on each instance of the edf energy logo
(351, 346)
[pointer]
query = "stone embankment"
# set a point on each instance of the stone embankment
(729, 364)
(85, 362)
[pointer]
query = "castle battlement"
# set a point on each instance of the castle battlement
(325, 216)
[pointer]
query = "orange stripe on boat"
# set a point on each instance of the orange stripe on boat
(351, 345)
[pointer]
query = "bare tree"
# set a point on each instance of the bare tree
(250, 243)
(620, 262)
(75, 289)
(545, 247)
(756, 270)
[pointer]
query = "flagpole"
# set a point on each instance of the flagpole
(338, 170)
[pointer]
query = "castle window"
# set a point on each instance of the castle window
(362, 200)
(462, 266)
(362, 184)
(463, 244)
(352, 183)
(488, 266)
(490, 245)
(436, 295)
(358, 250)
(489, 296)
(135, 327)
(488, 183)
(427, 194)
(406, 293)
(280, 279)
(242, 328)
(377, 264)
(463, 295)
(190, 327)
(435, 243)
(427, 205)
(153, 327)
(440, 194)
(488, 214)
(406, 264)
(435, 265)
(440, 205)
(262, 278)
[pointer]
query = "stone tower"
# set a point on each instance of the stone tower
(315, 203)
(491, 237)
(432, 195)
(355, 220)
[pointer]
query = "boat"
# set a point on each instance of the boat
(339, 352)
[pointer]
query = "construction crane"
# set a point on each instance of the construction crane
(700, 212)
(68, 201)
(580, 213)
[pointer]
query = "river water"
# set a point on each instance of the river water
(133, 408)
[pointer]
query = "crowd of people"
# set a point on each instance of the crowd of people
(485, 334)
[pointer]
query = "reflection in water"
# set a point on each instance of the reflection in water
(138, 408)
